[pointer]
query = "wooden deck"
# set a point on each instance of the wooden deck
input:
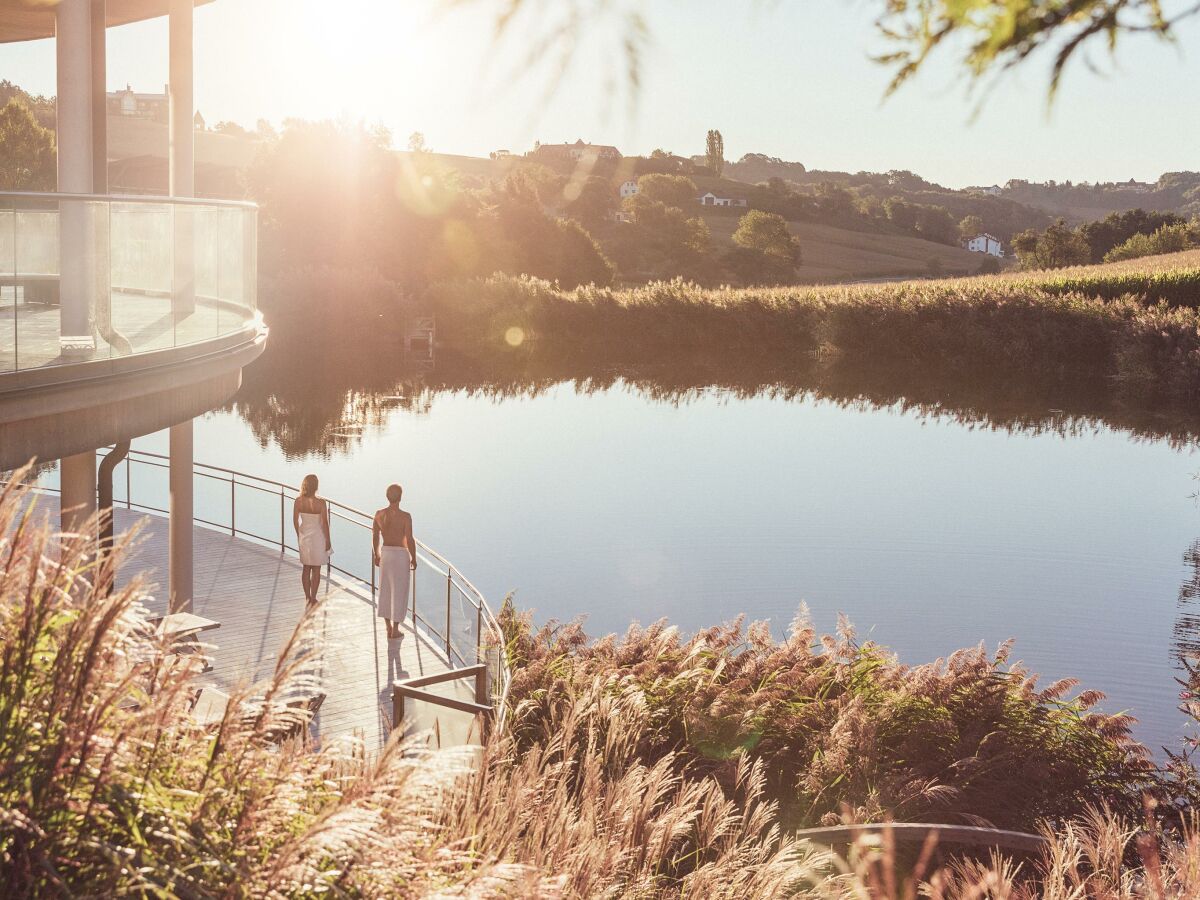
(255, 593)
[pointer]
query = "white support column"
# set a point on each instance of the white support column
(73, 46)
(77, 484)
(180, 153)
(179, 545)
(181, 174)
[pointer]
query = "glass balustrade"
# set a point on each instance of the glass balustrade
(86, 278)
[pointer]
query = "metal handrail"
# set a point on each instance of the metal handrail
(455, 581)
(56, 196)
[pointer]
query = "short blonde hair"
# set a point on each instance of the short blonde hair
(308, 487)
(394, 493)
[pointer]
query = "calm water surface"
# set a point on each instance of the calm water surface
(929, 535)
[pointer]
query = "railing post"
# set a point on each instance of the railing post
(282, 544)
(449, 587)
(397, 708)
(481, 697)
(413, 575)
(233, 505)
(478, 632)
(128, 480)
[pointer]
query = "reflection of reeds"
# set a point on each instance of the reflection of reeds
(109, 788)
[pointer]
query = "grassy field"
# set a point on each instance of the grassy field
(834, 254)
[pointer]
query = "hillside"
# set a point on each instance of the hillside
(834, 254)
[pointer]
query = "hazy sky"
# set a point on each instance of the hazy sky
(791, 79)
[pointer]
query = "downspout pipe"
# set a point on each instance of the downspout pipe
(104, 482)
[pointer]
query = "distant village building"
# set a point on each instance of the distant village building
(142, 106)
(501, 154)
(711, 199)
(629, 188)
(198, 121)
(577, 151)
(984, 243)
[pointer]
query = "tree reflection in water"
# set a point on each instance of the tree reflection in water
(322, 407)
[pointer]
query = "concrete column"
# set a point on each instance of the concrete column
(99, 98)
(179, 545)
(77, 481)
(73, 46)
(180, 153)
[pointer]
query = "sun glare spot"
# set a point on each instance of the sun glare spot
(515, 336)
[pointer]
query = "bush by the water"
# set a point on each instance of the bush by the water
(643, 767)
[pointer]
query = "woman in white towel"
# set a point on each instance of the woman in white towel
(395, 552)
(310, 515)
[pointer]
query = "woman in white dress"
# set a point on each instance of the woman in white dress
(310, 515)
(394, 550)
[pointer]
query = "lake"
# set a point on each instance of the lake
(621, 504)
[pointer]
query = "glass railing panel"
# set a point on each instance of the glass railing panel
(35, 310)
(8, 288)
(211, 500)
(84, 279)
(231, 275)
(261, 513)
(141, 278)
(464, 627)
(428, 598)
(351, 545)
(250, 257)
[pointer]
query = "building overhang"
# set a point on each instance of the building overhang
(32, 20)
(64, 410)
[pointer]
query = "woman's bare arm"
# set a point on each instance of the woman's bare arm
(375, 538)
(325, 524)
(296, 517)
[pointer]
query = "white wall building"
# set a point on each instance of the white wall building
(711, 199)
(629, 188)
(984, 243)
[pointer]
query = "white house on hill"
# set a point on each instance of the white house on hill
(984, 243)
(711, 199)
(629, 188)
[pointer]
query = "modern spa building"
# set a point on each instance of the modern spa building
(119, 315)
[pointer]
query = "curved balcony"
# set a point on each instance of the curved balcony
(119, 316)
(116, 281)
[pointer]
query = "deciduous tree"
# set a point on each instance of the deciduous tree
(27, 158)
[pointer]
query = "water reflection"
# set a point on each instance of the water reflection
(1187, 622)
(323, 407)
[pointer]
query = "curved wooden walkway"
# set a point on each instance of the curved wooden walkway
(255, 593)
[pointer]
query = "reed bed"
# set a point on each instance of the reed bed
(647, 767)
(1045, 327)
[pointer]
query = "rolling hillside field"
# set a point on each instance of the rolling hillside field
(834, 254)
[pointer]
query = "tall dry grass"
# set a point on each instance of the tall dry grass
(109, 788)
(839, 728)
(1088, 327)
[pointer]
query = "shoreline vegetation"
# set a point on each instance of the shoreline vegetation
(1111, 326)
(658, 766)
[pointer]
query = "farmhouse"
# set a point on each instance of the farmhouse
(628, 188)
(984, 243)
(578, 150)
(143, 106)
(711, 199)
